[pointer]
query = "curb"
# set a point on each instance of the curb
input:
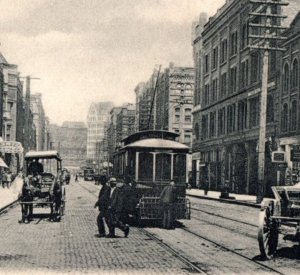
(249, 204)
(8, 205)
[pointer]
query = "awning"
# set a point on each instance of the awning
(2, 163)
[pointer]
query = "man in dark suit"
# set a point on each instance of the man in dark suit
(103, 204)
(116, 210)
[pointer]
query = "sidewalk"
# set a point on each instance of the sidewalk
(246, 200)
(9, 195)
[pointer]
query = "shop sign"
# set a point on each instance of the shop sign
(278, 157)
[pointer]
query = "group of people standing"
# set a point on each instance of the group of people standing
(113, 203)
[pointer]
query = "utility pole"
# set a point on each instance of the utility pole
(264, 34)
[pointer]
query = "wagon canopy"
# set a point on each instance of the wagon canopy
(42, 155)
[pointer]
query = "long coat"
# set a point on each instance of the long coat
(104, 198)
(117, 201)
(168, 195)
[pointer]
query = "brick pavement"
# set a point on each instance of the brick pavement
(71, 246)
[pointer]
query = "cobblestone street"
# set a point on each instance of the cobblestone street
(71, 245)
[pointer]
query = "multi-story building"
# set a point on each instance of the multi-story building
(289, 126)
(97, 118)
(125, 122)
(36, 106)
(145, 104)
(70, 140)
(174, 101)
(112, 132)
(226, 102)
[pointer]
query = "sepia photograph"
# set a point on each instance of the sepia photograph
(149, 137)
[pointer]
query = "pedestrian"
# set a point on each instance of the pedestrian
(116, 210)
(8, 179)
(76, 177)
(103, 204)
(4, 179)
(168, 200)
(57, 199)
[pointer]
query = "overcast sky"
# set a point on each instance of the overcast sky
(95, 50)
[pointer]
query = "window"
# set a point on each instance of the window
(233, 43)
(245, 74)
(215, 58)
(230, 119)
(187, 139)
(254, 112)
(214, 89)
(146, 166)
(212, 126)
(206, 64)
(188, 115)
(221, 121)
(242, 115)
(233, 73)
(206, 94)
(284, 120)
(223, 50)
(163, 167)
(245, 33)
(204, 127)
(286, 79)
(293, 116)
(270, 109)
(177, 115)
(295, 74)
(255, 67)
(196, 131)
(179, 168)
(223, 85)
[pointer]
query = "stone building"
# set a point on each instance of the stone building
(174, 101)
(70, 140)
(39, 118)
(98, 117)
(125, 122)
(226, 102)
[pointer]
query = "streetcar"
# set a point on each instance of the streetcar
(43, 184)
(151, 159)
(88, 174)
(279, 215)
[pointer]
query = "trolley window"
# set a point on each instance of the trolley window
(163, 167)
(179, 168)
(145, 166)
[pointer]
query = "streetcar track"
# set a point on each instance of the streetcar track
(223, 217)
(4, 209)
(232, 251)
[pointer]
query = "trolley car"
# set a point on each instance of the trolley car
(275, 214)
(151, 159)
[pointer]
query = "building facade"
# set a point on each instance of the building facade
(174, 102)
(227, 103)
(98, 117)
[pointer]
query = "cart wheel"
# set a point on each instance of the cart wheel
(267, 234)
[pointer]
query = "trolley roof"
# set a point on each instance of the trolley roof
(150, 134)
(42, 155)
(157, 143)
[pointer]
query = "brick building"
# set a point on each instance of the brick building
(174, 101)
(226, 102)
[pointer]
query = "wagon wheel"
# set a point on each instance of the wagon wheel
(267, 234)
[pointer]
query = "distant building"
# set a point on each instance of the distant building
(39, 117)
(125, 124)
(70, 140)
(174, 101)
(98, 117)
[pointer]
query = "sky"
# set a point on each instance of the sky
(88, 51)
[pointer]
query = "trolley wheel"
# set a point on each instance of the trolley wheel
(267, 234)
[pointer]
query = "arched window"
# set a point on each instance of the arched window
(196, 131)
(286, 79)
(293, 125)
(284, 118)
(295, 74)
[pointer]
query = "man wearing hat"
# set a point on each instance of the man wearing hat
(103, 203)
(116, 209)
